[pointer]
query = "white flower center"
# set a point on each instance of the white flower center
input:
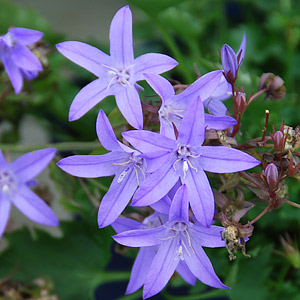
(7, 181)
(166, 112)
(121, 76)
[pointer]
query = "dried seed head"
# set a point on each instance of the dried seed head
(273, 84)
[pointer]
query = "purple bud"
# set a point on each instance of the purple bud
(271, 175)
(229, 63)
(278, 140)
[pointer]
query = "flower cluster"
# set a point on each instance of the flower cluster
(164, 170)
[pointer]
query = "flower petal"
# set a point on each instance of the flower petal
(163, 205)
(154, 63)
(200, 196)
(191, 130)
(129, 104)
(201, 267)
(218, 122)
(87, 98)
(242, 50)
(140, 268)
(160, 85)
(5, 205)
(120, 36)
(157, 185)
(162, 268)
(179, 209)
(34, 207)
(219, 159)
(25, 36)
(208, 237)
(203, 87)
(117, 197)
(141, 237)
(93, 166)
(215, 107)
(148, 141)
(86, 56)
(25, 59)
(31, 164)
(184, 271)
(229, 60)
(14, 73)
(106, 134)
(125, 224)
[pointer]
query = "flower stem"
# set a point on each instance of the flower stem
(65, 146)
(292, 203)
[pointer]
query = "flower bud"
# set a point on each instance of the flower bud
(273, 84)
(271, 176)
(278, 140)
(229, 63)
(240, 103)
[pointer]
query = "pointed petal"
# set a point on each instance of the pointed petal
(160, 85)
(5, 205)
(208, 237)
(184, 271)
(201, 267)
(163, 205)
(117, 197)
(120, 36)
(152, 63)
(155, 160)
(215, 107)
(125, 224)
(229, 60)
(141, 237)
(106, 134)
(87, 98)
(25, 36)
(14, 73)
(191, 130)
(129, 104)
(140, 268)
(25, 59)
(93, 166)
(157, 185)
(242, 50)
(148, 141)
(162, 268)
(34, 207)
(200, 196)
(223, 91)
(86, 56)
(2, 160)
(219, 159)
(179, 209)
(203, 87)
(31, 164)
(218, 122)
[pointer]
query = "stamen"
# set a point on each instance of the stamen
(122, 175)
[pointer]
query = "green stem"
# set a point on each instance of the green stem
(65, 146)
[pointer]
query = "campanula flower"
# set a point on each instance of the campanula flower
(186, 159)
(117, 74)
(15, 179)
(123, 162)
(179, 243)
(19, 62)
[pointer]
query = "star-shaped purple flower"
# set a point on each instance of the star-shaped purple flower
(122, 161)
(19, 62)
(15, 178)
(174, 106)
(186, 159)
(117, 73)
(180, 242)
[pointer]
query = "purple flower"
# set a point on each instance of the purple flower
(174, 106)
(14, 181)
(117, 73)
(180, 243)
(231, 61)
(122, 161)
(185, 159)
(19, 62)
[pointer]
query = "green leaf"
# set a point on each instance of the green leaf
(75, 262)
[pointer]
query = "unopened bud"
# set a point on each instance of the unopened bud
(229, 63)
(240, 102)
(273, 84)
(278, 140)
(271, 176)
